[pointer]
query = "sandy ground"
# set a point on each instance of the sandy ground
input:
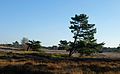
(100, 55)
(111, 54)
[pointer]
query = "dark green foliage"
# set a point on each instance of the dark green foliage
(63, 45)
(84, 41)
(118, 47)
(34, 45)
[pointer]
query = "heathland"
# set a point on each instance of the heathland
(46, 62)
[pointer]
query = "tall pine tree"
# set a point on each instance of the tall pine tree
(84, 41)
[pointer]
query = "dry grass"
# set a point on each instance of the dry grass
(65, 67)
(50, 65)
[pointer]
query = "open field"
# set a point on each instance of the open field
(32, 62)
(99, 55)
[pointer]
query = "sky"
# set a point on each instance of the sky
(48, 20)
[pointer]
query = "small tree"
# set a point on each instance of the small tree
(84, 41)
(23, 42)
(64, 45)
(16, 44)
(34, 45)
(118, 47)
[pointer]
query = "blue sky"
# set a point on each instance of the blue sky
(48, 20)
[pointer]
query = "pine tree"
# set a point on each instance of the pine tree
(34, 45)
(64, 45)
(84, 41)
